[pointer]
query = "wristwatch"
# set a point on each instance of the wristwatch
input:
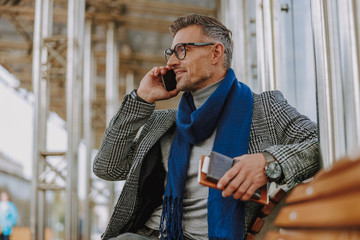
(273, 170)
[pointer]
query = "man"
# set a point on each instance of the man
(157, 152)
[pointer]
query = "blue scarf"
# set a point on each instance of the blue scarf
(229, 109)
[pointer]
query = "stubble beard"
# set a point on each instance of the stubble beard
(186, 85)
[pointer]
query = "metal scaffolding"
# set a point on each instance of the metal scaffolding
(72, 58)
(56, 171)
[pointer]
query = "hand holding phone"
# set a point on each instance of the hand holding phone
(155, 86)
(169, 80)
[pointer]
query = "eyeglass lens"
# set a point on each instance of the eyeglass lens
(179, 50)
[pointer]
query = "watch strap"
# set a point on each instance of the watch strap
(269, 159)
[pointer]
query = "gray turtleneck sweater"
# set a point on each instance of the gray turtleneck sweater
(195, 197)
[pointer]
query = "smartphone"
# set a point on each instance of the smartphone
(169, 80)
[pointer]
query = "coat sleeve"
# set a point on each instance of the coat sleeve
(14, 215)
(296, 138)
(115, 156)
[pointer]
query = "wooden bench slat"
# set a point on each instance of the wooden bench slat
(341, 165)
(339, 211)
(313, 235)
(338, 183)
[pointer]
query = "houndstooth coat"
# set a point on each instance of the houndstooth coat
(123, 155)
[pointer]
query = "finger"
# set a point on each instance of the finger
(228, 176)
(163, 70)
(249, 193)
(156, 71)
(233, 185)
(241, 191)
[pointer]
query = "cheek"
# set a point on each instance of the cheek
(193, 67)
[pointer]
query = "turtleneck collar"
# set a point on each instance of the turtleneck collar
(200, 96)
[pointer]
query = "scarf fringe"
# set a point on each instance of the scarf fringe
(172, 214)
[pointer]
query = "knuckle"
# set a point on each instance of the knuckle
(241, 191)
(232, 186)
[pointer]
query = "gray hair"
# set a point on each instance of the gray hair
(211, 27)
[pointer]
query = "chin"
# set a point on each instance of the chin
(185, 85)
(180, 86)
(181, 89)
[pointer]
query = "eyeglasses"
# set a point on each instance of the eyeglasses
(180, 50)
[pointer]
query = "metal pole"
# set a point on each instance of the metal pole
(112, 89)
(236, 10)
(45, 93)
(323, 82)
(88, 133)
(351, 81)
(37, 133)
(42, 29)
(73, 96)
(239, 16)
(77, 108)
(269, 45)
(337, 68)
(261, 61)
(71, 149)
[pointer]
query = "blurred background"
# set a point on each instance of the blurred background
(66, 65)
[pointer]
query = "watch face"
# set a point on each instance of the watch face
(273, 171)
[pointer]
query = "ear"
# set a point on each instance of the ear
(217, 53)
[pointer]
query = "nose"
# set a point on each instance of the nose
(173, 61)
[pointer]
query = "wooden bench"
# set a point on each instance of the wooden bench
(326, 208)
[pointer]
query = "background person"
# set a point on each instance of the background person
(8, 215)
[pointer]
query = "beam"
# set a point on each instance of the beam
(23, 29)
(15, 45)
(156, 7)
(135, 57)
(140, 8)
(7, 58)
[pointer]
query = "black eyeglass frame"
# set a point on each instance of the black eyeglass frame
(184, 45)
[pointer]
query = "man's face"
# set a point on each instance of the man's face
(195, 70)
